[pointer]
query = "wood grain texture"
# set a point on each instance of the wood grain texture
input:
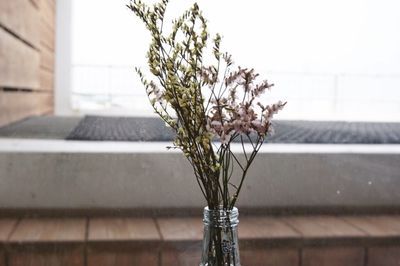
(2, 257)
(384, 256)
(27, 35)
(18, 105)
(47, 12)
(269, 257)
(123, 258)
(36, 3)
(6, 227)
(265, 227)
(117, 236)
(46, 80)
(182, 240)
(22, 18)
(123, 229)
(334, 256)
(48, 242)
(184, 256)
(181, 229)
(110, 241)
(19, 64)
(47, 36)
(46, 59)
(191, 255)
(56, 257)
(378, 226)
(323, 227)
(49, 230)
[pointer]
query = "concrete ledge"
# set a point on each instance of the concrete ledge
(68, 146)
(45, 174)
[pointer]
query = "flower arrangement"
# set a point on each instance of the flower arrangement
(201, 101)
(208, 106)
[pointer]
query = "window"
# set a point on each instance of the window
(337, 60)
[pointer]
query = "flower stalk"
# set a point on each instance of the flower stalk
(209, 107)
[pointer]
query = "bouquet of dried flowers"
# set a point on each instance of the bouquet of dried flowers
(208, 106)
(201, 101)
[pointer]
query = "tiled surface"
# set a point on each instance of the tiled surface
(6, 226)
(64, 257)
(323, 227)
(382, 226)
(182, 239)
(123, 258)
(123, 229)
(181, 229)
(270, 257)
(48, 242)
(2, 258)
(333, 256)
(49, 230)
(266, 227)
(384, 256)
(186, 255)
(319, 241)
(121, 234)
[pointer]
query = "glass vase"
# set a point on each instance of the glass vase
(220, 241)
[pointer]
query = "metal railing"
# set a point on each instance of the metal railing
(310, 95)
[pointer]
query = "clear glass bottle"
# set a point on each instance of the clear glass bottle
(220, 241)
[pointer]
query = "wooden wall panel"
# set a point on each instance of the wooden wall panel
(18, 105)
(47, 44)
(19, 64)
(47, 10)
(47, 59)
(27, 45)
(46, 36)
(22, 18)
(46, 80)
(36, 3)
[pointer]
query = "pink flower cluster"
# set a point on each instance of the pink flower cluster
(228, 117)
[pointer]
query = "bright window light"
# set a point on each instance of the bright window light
(330, 60)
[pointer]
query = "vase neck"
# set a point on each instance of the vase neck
(220, 241)
(221, 217)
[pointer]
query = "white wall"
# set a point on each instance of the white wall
(63, 60)
(331, 59)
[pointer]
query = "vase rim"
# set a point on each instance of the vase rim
(220, 216)
(234, 209)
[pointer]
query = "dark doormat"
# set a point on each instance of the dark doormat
(121, 129)
(154, 129)
(334, 132)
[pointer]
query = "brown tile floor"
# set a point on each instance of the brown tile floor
(276, 241)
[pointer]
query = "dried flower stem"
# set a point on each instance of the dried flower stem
(177, 95)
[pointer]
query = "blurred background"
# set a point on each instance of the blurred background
(85, 177)
(331, 60)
